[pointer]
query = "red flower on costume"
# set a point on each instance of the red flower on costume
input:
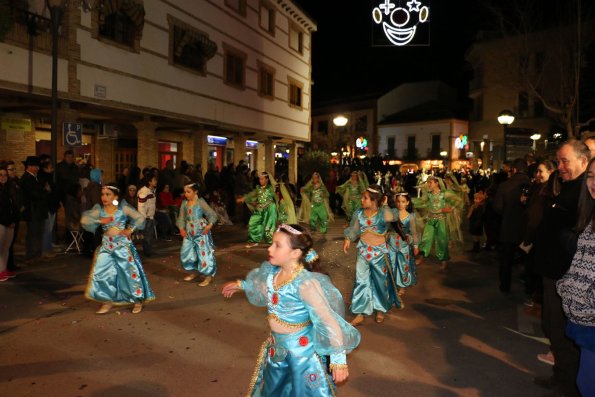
(134, 276)
(190, 210)
(369, 249)
(275, 298)
(111, 239)
(130, 259)
(203, 253)
(312, 377)
(272, 352)
(202, 243)
(111, 246)
(303, 341)
(192, 232)
(138, 291)
(384, 270)
(406, 268)
(405, 278)
(204, 264)
(368, 256)
(369, 222)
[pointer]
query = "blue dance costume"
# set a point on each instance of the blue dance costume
(374, 287)
(401, 252)
(198, 250)
(295, 364)
(117, 275)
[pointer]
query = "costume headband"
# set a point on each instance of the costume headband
(110, 187)
(264, 173)
(289, 229)
(373, 190)
(191, 184)
(402, 194)
(311, 256)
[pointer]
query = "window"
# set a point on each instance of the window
(296, 39)
(235, 65)
(323, 127)
(295, 93)
(266, 81)
(390, 147)
(118, 27)
(238, 6)
(411, 151)
(538, 108)
(435, 153)
(189, 48)
(523, 104)
(267, 18)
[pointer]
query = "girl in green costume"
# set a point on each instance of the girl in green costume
(262, 201)
(315, 208)
(286, 207)
(352, 191)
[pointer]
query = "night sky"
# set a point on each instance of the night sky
(346, 65)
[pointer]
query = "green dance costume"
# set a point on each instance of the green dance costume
(286, 214)
(352, 194)
(315, 208)
(263, 222)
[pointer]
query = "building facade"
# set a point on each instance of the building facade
(141, 82)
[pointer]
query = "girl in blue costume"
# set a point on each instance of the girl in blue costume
(305, 314)
(117, 276)
(195, 221)
(403, 243)
(374, 288)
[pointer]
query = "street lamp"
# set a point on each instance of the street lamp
(505, 118)
(535, 138)
(340, 121)
(56, 8)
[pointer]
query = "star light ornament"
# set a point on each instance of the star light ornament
(400, 23)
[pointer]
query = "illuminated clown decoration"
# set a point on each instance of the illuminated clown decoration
(399, 21)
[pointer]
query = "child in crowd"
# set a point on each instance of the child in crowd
(352, 191)
(374, 288)
(315, 208)
(262, 202)
(117, 276)
(476, 218)
(195, 222)
(305, 314)
(403, 243)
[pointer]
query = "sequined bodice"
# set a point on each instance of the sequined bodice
(375, 224)
(264, 196)
(285, 302)
(435, 202)
(354, 191)
(194, 217)
(317, 195)
(119, 219)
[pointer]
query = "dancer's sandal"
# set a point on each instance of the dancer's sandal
(138, 307)
(190, 277)
(357, 320)
(105, 308)
(206, 281)
(379, 317)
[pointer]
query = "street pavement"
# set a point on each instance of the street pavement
(457, 335)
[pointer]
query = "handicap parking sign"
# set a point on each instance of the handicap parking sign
(73, 134)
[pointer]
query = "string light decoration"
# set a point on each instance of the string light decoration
(401, 22)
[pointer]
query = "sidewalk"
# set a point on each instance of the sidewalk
(457, 336)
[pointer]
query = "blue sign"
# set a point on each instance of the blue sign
(73, 134)
(251, 144)
(216, 140)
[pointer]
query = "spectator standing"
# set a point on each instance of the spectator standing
(507, 204)
(147, 200)
(36, 208)
(67, 174)
(167, 174)
(554, 251)
(9, 216)
(212, 180)
(13, 179)
(46, 177)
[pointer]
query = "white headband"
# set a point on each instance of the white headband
(289, 229)
(372, 190)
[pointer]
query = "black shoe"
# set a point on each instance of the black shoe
(548, 382)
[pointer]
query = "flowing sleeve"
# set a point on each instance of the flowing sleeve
(180, 223)
(329, 212)
(420, 203)
(250, 199)
(388, 214)
(454, 200)
(289, 206)
(90, 219)
(332, 334)
(210, 214)
(304, 211)
(363, 180)
(135, 218)
(353, 231)
(255, 284)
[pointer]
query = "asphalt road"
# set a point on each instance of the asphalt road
(457, 336)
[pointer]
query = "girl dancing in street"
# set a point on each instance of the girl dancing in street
(305, 314)
(403, 243)
(352, 191)
(262, 202)
(315, 208)
(117, 277)
(374, 287)
(195, 221)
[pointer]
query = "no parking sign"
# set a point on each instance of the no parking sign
(73, 134)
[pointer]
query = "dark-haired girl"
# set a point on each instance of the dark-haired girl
(195, 221)
(374, 288)
(117, 276)
(403, 244)
(262, 202)
(305, 314)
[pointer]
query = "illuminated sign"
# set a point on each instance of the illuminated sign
(401, 22)
(252, 144)
(361, 143)
(461, 142)
(216, 140)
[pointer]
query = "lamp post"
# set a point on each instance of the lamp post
(535, 138)
(505, 118)
(56, 8)
(341, 121)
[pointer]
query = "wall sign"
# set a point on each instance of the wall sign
(73, 134)
(401, 22)
(461, 142)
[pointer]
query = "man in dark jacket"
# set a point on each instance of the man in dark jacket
(555, 244)
(507, 204)
(67, 174)
(36, 207)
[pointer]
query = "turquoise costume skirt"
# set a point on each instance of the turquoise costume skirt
(403, 261)
(374, 287)
(117, 275)
(288, 366)
(198, 253)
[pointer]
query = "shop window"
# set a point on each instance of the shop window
(190, 48)
(235, 65)
(295, 94)
(238, 6)
(267, 17)
(296, 39)
(266, 81)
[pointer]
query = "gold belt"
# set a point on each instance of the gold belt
(272, 316)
